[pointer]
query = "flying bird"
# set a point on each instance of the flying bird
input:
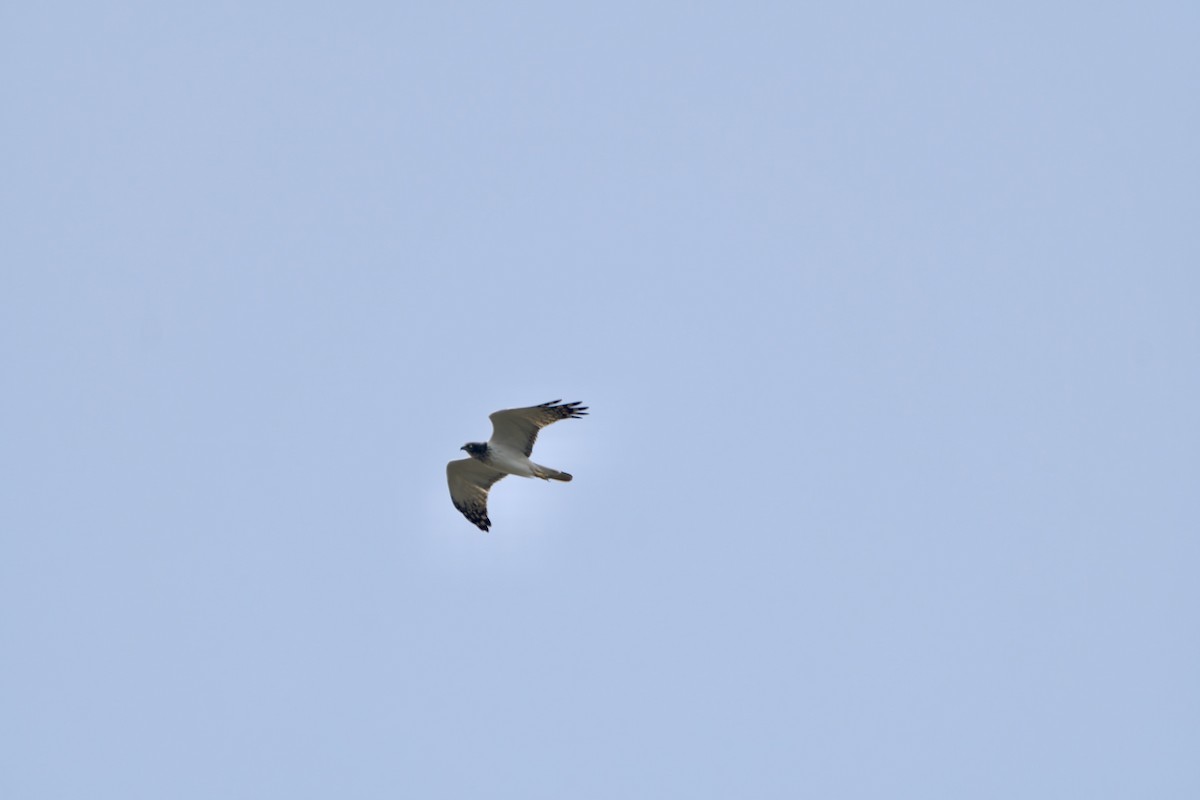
(514, 430)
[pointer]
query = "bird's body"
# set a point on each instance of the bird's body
(512, 462)
(514, 432)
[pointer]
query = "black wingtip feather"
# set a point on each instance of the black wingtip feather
(480, 521)
(573, 410)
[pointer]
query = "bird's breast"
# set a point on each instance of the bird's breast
(509, 461)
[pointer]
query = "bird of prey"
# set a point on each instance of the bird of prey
(514, 430)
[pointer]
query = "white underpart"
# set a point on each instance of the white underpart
(512, 462)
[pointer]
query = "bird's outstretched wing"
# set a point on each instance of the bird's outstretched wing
(470, 480)
(518, 427)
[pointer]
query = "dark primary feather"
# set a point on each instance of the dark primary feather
(476, 513)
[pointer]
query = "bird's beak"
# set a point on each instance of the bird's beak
(464, 447)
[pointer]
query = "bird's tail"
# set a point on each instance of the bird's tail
(548, 474)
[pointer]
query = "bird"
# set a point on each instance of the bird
(514, 430)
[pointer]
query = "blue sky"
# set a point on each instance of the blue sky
(887, 317)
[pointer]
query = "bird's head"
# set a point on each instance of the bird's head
(474, 449)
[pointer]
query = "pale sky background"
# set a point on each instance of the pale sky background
(888, 315)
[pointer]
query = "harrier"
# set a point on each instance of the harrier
(514, 430)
